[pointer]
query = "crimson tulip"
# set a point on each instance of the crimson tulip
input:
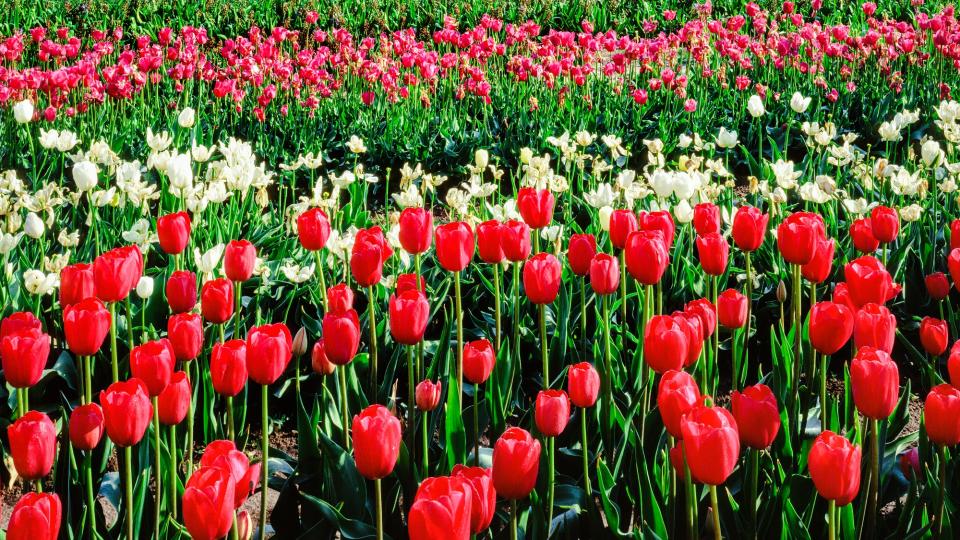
(841, 295)
(269, 350)
(484, 496)
(224, 455)
(376, 442)
(665, 344)
(319, 361)
(21, 320)
(416, 230)
(313, 229)
(516, 460)
(455, 245)
(185, 332)
(208, 503)
(239, 259)
(831, 326)
(341, 336)
(834, 464)
(693, 328)
(580, 252)
(228, 367)
(583, 384)
(604, 274)
(955, 234)
(934, 335)
(85, 326)
(757, 415)
(622, 224)
(33, 445)
(818, 269)
(86, 427)
(711, 442)
(552, 412)
(535, 206)
(24, 355)
(797, 237)
(478, 360)
(732, 308)
(953, 364)
(647, 256)
(181, 290)
(409, 315)
(541, 278)
(861, 233)
(874, 326)
(174, 402)
(427, 395)
(36, 516)
(885, 223)
(76, 283)
(340, 297)
(216, 300)
(515, 240)
(412, 282)
(442, 508)
(126, 411)
(875, 381)
(749, 228)
(706, 218)
(116, 273)
(489, 246)
(153, 364)
(370, 251)
(677, 394)
(706, 312)
(661, 221)
(953, 265)
(941, 415)
(173, 230)
(938, 287)
(713, 251)
(868, 281)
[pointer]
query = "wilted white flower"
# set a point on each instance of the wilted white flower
(85, 175)
(23, 111)
(145, 287)
(409, 197)
(48, 138)
(187, 117)
(785, 174)
(140, 234)
(799, 103)
(207, 262)
(68, 239)
(158, 142)
(755, 106)
(889, 132)
(726, 139)
(911, 213)
(33, 226)
(600, 196)
(8, 242)
(551, 233)
(39, 283)
(811, 192)
(355, 145)
(202, 154)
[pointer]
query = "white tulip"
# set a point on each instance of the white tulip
(930, 153)
(755, 106)
(85, 175)
(683, 212)
(662, 183)
(187, 117)
(33, 226)
(179, 171)
(23, 111)
(481, 158)
(145, 287)
(604, 217)
(799, 103)
(889, 131)
(726, 139)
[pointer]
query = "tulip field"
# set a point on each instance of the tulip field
(386, 270)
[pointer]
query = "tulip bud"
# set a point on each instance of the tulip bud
(797, 237)
(934, 335)
(409, 315)
(454, 245)
(937, 286)
(732, 308)
(875, 381)
(216, 300)
(86, 427)
(874, 326)
(126, 411)
(604, 274)
(781, 292)
(269, 350)
(478, 361)
(552, 412)
(580, 253)
(622, 224)
(239, 259)
(749, 228)
(244, 526)
(173, 230)
(583, 384)
(941, 410)
(313, 229)
(646, 255)
(319, 361)
(861, 233)
(677, 395)
(427, 395)
(831, 326)
(299, 347)
(535, 206)
(145, 287)
(416, 230)
(85, 175)
(665, 344)
(174, 402)
(24, 354)
(886, 223)
(23, 111)
(489, 246)
(228, 367)
(33, 226)
(186, 118)
(541, 278)
(370, 251)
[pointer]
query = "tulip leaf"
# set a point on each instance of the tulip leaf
(455, 435)
(349, 529)
(344, 482)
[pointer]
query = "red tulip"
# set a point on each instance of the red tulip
(646, 256)
(678, 461)
(224, 455)
(33, 445)
(861, 232)
(583, 384)
(706, 312)
(409, 315)
(706, 218)
(181, 291)
(665, 344)
(677, 395)
(515, 240)
(874, 326)
(797, 237)
(86, 427)
(489, 246)
(875, 381)
(941, 415)
(934, 335)
(410, 282)
(535, 206)
(313, 229)
(174, 402)
(340, 297)
(208, 503)
(580, 252)
(442, 508)
(818, 269)
(834, 464)
(516, 460)
(116, 273)
(376, 442)
(749, 228)
(228, 367)
(886, 223)
(478, 361)
(427, 395)
(239, 259)
(36, 516)
(126, 411)
(661, 221)
(21, 320)
(953, 364)
(416, 230)
(757, 416)
(24, 354)
(713, 251)
(938, 287)
(76, 283)
(604, 274)
(831, 326)
(622, 224)
(185, 332)
(909, 462)
(484, 496)
(732, 308)
(955, 234)
(693, 328)
(269, 349)
(552, 412)
(216, 300)
(370, 251)
(868, 281)
(841, 295)
(174, 232)
(153, 364)
(953, 265)
(455, 245)
(341, 336)
(319, 361)
(85, 326)
(541, 278)
(711, 442)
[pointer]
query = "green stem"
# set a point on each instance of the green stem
(231, 429)
(344, 408)
(156, 464)
(544, 353)
(872, 501)
(716, 513)
(476, 424)
(513, 520)
(456, 284)
(424, 419)
(824, 414)
(746, 336)
(496, 303)
(238, 301)
(264, 464)
(189, 451)
(691, 501)
(379, 497)
(516, 314)
(91, 502)
(323, 281)
(128, 488)
(115, 370)
(551, 472)
(586, 453)
(943, 491)
(583, 316)
(623, 296)
(831, 525)
(172, 482)
(373, 342)
(129, 322)
(411, 399)
(752, 496)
